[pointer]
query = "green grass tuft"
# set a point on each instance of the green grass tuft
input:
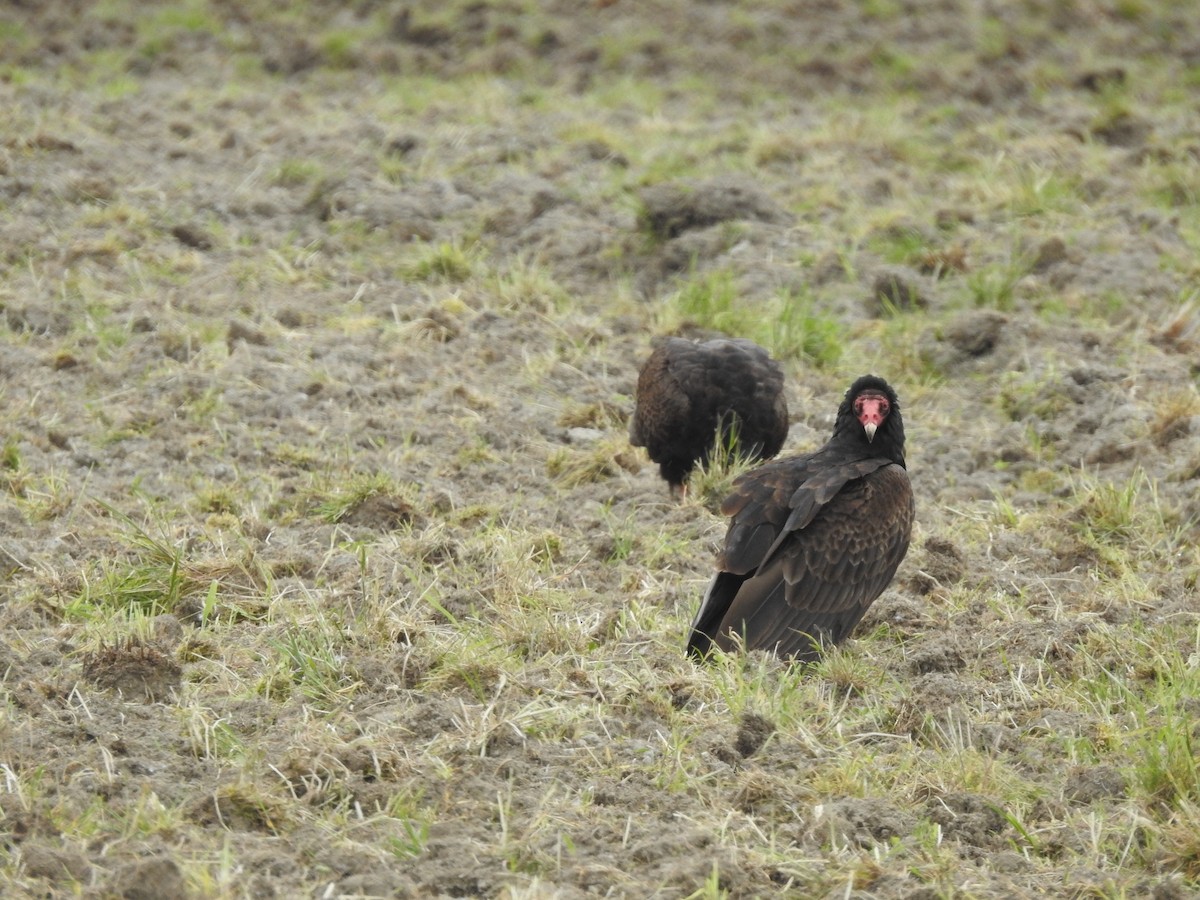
(790, 325)
(446, 261)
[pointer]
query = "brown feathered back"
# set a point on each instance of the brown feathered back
(687, 390)
(814, 539)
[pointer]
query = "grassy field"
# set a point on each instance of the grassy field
(328, 569)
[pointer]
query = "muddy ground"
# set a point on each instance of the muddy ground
(254, 259)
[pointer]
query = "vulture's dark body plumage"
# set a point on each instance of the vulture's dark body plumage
(813, 539)
(686, 391)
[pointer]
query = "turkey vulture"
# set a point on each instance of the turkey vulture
(687, 391)
(813, 539)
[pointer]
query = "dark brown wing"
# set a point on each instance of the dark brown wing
(758, 507)
(805, 569)
(768, 504)
(815, 587)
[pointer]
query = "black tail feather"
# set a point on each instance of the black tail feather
(721, 591)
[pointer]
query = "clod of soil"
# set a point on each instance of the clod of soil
(969, 818)
(753, 731)
(1088, 784)
(133, 669)
(671, 208)
(153, 879)
(896, 290)
(864, 822)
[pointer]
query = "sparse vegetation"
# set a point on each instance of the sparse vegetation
(326, 567)
(443, 262)
(789, 324)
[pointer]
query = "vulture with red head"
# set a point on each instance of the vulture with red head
(689, 395)
(813, 539)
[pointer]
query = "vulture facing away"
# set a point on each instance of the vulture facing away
(813, 539)
(686, 391)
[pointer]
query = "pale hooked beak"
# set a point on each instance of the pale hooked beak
(869, 428)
